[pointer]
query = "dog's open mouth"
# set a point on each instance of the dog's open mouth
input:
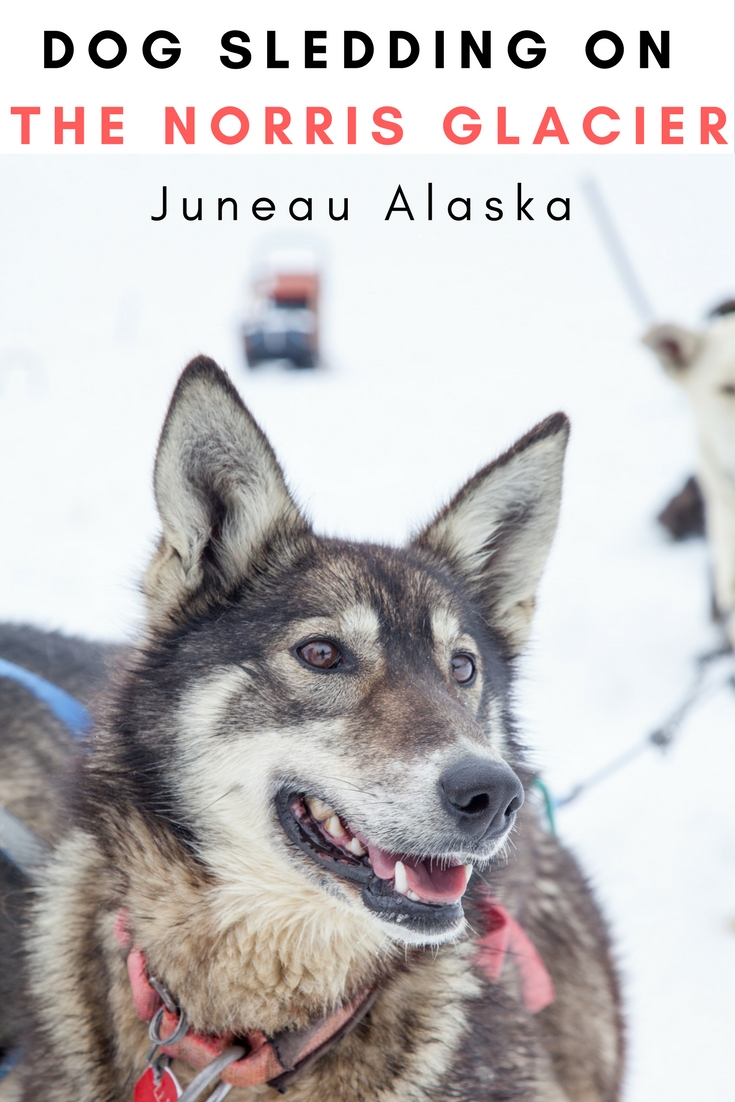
(423, 894)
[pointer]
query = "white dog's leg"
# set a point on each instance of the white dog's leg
(719, 496)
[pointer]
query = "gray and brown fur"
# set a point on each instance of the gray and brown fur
(171, 814)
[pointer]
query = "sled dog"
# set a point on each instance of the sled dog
(703, 363)
(297, 853)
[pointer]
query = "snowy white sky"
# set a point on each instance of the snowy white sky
(444, 341)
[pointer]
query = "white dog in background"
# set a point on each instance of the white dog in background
(702, 361)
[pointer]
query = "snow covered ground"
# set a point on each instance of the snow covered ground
(445, 340)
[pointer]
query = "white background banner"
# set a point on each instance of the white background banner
(431, 78)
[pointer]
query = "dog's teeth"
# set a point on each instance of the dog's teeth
(469, 869)
(413, 896)
(319, 809)
(334, 827)
(401, 880)
(354, 847)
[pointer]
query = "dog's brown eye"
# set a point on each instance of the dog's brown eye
(463, 669)
(321, 654)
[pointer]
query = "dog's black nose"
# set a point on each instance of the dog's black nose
(482, 796)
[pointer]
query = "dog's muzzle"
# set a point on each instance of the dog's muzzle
(423, 895)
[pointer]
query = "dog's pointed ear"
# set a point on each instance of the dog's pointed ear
(220, 493)
(675, 346)
(496, 532)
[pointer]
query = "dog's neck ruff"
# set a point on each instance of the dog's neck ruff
(273, 1060)
(278, 1060)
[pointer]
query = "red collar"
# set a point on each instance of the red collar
(503, 936)
(277, 1060)
(274, 1060)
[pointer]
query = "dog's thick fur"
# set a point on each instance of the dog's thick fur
(702, 362)
(173, 813)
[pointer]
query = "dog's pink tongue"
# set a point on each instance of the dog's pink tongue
(426, 878)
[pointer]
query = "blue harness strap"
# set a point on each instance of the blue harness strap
(70, 711)
(11, 1060)
(18, 843)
